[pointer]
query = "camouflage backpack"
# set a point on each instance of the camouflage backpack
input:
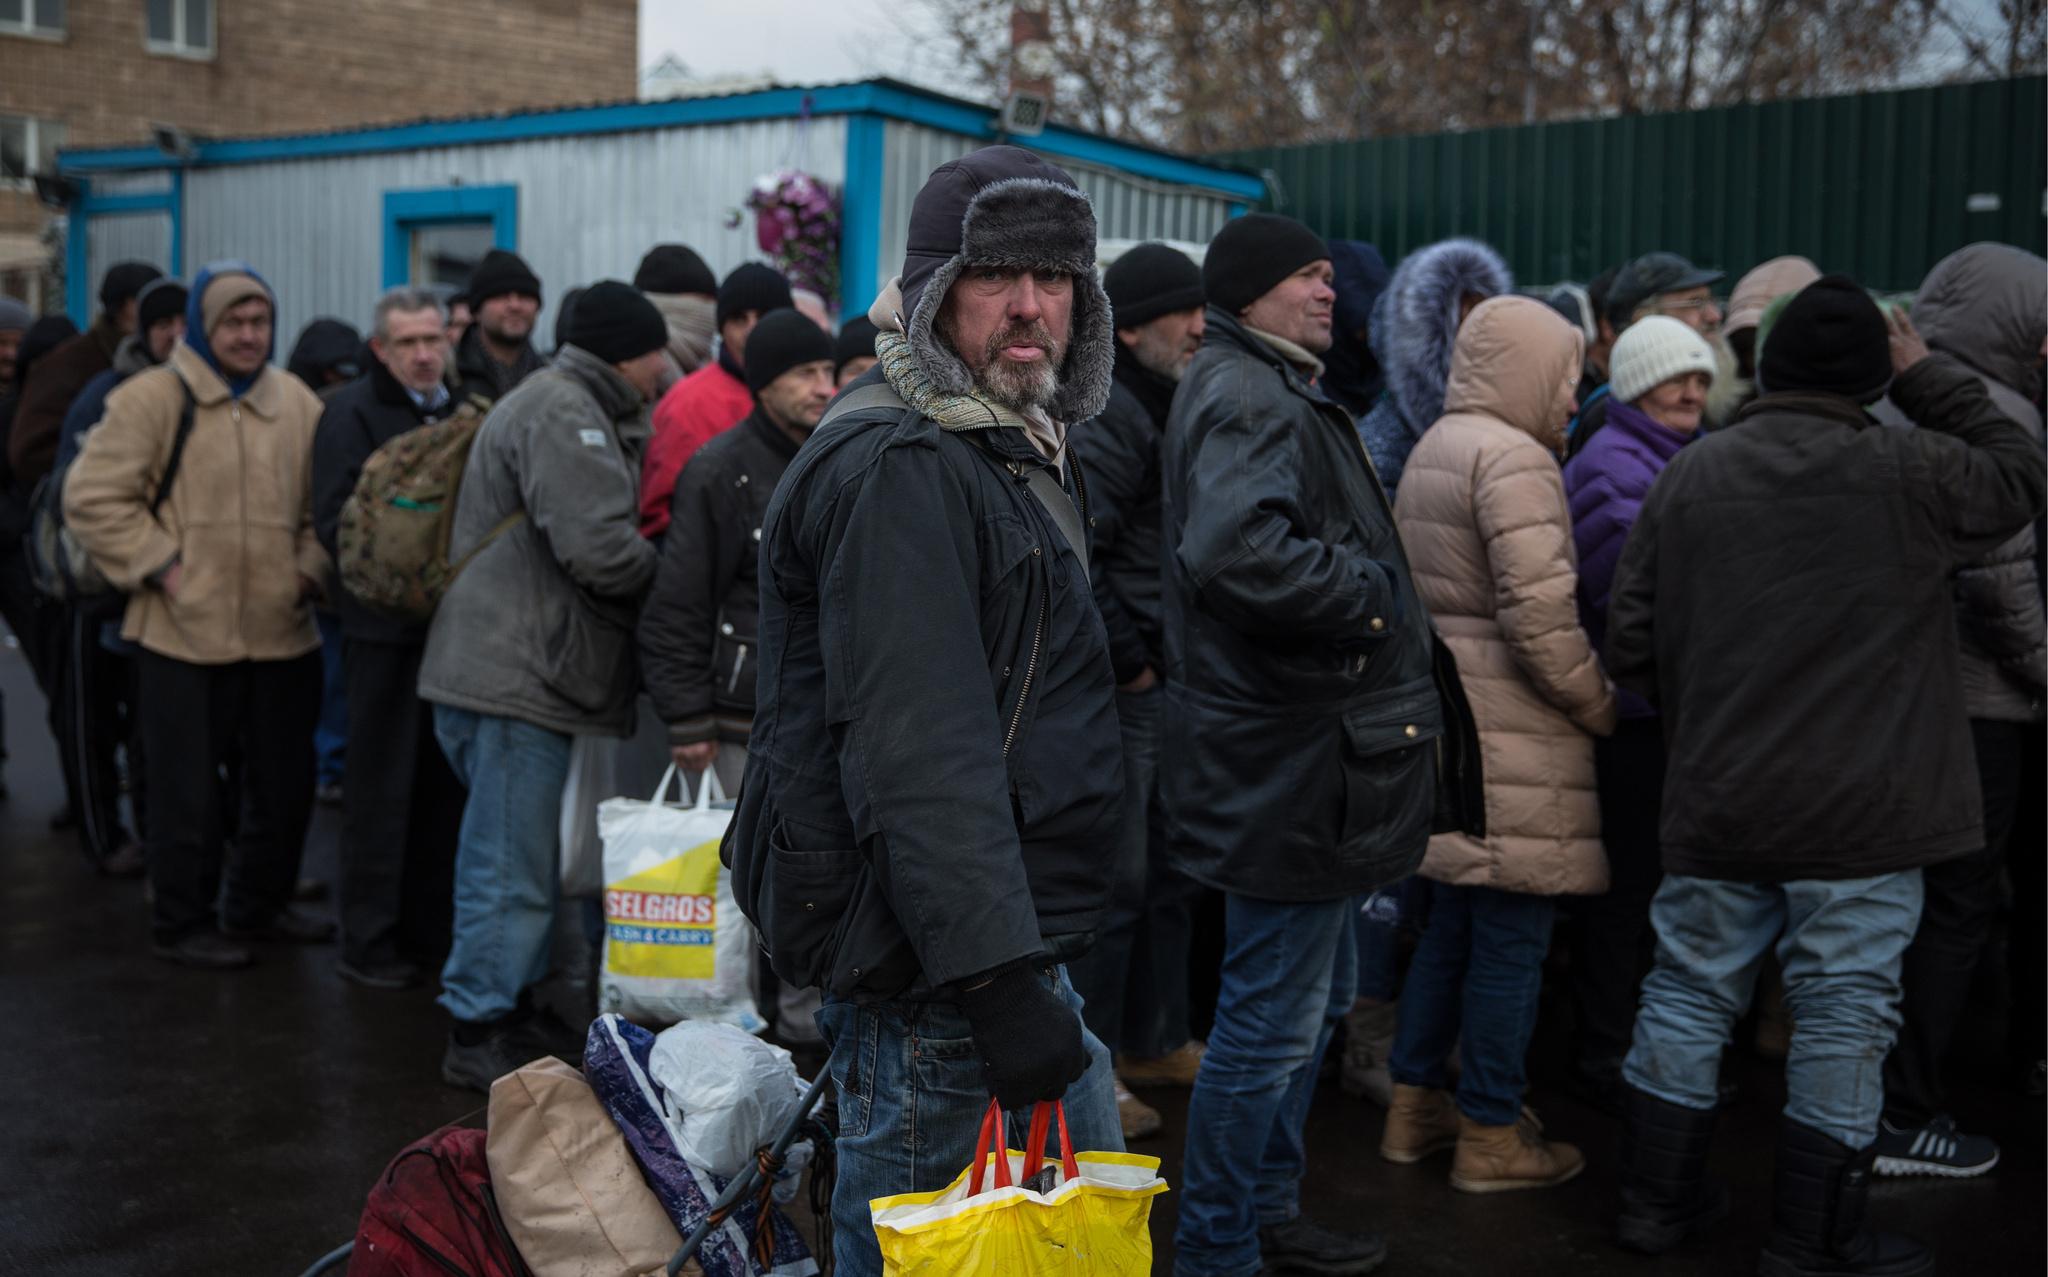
(392, 542)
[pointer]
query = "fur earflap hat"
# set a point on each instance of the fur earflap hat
(1004, 206)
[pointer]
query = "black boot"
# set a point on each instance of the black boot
(1666, 1196)
(1819, 1227)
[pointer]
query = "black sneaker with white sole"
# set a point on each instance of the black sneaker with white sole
(1937, 1148)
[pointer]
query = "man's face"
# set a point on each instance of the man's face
(507, 319)
(1693, 307)
(855, 367)
(1299, 308)
(241, 340)
(458, 322)
(10, 350)
(164, 334)
(1165, 345)
(126, 315)
(415, 349)
(797, 398)
(1011, 327)
(645, 372)
(734, 332)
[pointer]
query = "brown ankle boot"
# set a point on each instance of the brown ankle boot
(1420, 1121)
(1500, 1159)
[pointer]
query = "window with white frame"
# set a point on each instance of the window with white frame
(27, 146)
(32, 17)
(177, 26)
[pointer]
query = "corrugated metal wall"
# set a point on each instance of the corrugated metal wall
(589, 207)
(1880, 185)
(141, 237)
(1126, 207)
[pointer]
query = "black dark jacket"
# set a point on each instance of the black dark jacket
(699, 628)
(363, 416)
(1119, 453)
(1784, 599)
(1300, 747)
(921, 615)
(477, 373)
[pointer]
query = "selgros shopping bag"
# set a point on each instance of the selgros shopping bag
(1081, 1213)
(676, 946)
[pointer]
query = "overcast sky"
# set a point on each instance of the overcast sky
(795, 41)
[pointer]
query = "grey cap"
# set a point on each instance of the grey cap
(1652, 275)
(14, 316)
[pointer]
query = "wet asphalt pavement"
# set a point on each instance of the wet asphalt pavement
(160, 1121)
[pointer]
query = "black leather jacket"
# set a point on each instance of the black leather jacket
(1309, 706)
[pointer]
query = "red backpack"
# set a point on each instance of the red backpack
(432, 1214)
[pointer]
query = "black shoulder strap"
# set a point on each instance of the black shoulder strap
(163, 487)
(879, 395)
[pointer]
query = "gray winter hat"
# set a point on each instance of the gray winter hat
(14, 317)
(1004, 206)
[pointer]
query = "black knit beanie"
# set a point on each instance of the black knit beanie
(159, 299)
(781, 341)
(124, 280)
(615, 322)
(752, 287)
(1830, 339)
(856, 341)
(674, 268)
(1254, 252)
(1149, 281)
(501, 272)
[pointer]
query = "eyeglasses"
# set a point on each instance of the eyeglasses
(1688, 304)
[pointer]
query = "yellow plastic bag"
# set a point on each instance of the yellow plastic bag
(1093, 1219)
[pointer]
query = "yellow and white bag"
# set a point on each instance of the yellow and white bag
(1088, 1213)
(676, 946)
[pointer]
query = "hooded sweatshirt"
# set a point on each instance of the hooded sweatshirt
(1414, 330)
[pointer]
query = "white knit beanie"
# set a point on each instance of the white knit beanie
(1653, 350)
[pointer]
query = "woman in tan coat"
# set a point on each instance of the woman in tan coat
(1482, 513)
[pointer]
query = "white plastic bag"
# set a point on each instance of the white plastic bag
(725, 1093)
(593, 777)
(676, 946)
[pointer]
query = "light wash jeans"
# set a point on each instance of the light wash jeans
(911, 1099)
(1289, 972)
(507, 876)
(1840, 944)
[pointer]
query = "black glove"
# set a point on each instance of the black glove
(1029, 1039)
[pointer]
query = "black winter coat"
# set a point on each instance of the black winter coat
(700, 626)
(1301, 746)
(361, 417)
(936, 774)
(478, 374)
(1784, 600)
(1119, 453)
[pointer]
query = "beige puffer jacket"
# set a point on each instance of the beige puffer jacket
(1482, 511)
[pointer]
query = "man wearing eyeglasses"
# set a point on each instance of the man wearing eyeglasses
(1654, 284)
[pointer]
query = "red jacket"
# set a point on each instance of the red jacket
(703, 405)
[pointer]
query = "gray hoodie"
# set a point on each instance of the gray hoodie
(539, 627)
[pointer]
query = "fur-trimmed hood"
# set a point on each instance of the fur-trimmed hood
(1415, 322)
(1004, 206)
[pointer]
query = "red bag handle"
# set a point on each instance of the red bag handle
(991, 1141)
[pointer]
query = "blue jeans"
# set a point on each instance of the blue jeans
(1840, 945)
(911, 1100)
(1379, 943)
(1135, 979)
(330, 736)
(1289, 971)
(1474, 983)
(507, 876)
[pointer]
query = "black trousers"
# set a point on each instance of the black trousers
(401, 813)
(195, 718)
(1955, 928)
(2026, 946)
(96, 696)
(1615, 943)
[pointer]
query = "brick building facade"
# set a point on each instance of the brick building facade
(93, 72)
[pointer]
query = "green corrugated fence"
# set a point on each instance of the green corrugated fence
(1881, 185)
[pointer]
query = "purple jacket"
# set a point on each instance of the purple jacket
(1605, 485)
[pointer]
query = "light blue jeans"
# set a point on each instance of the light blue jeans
(507, 876)
(1840, 944)
(911, 1099)
(1289, 972)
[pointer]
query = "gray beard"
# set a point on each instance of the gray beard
(1020, 387)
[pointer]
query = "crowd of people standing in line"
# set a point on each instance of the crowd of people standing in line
(1403, 610)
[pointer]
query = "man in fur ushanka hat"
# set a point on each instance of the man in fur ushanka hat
(936, 788)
